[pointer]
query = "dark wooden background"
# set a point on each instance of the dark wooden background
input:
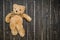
(45, 24)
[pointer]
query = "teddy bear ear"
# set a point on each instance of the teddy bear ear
(24, 7)
(14, 5)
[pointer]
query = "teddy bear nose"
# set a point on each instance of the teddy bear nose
(16, 11)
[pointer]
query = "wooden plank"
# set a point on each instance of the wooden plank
(1, 21)
(45, 20)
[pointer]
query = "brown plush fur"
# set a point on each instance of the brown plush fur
(15, 18)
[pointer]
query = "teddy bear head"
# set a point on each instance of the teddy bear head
(18, 9)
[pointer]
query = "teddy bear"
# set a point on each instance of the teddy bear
(15, 19)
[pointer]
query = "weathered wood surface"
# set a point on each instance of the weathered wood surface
(1, 20)
(45, 20)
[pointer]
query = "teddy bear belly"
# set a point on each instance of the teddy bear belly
(16, 19)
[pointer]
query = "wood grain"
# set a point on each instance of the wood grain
(45, 19)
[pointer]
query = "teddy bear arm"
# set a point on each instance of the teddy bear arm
(27, 17)
(7, 19)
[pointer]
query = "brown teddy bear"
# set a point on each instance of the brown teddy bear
(15, 18)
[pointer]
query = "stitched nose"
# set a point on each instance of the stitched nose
(16, 11)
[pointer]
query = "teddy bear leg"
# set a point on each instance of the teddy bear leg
(21, 30)
(13, 29)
